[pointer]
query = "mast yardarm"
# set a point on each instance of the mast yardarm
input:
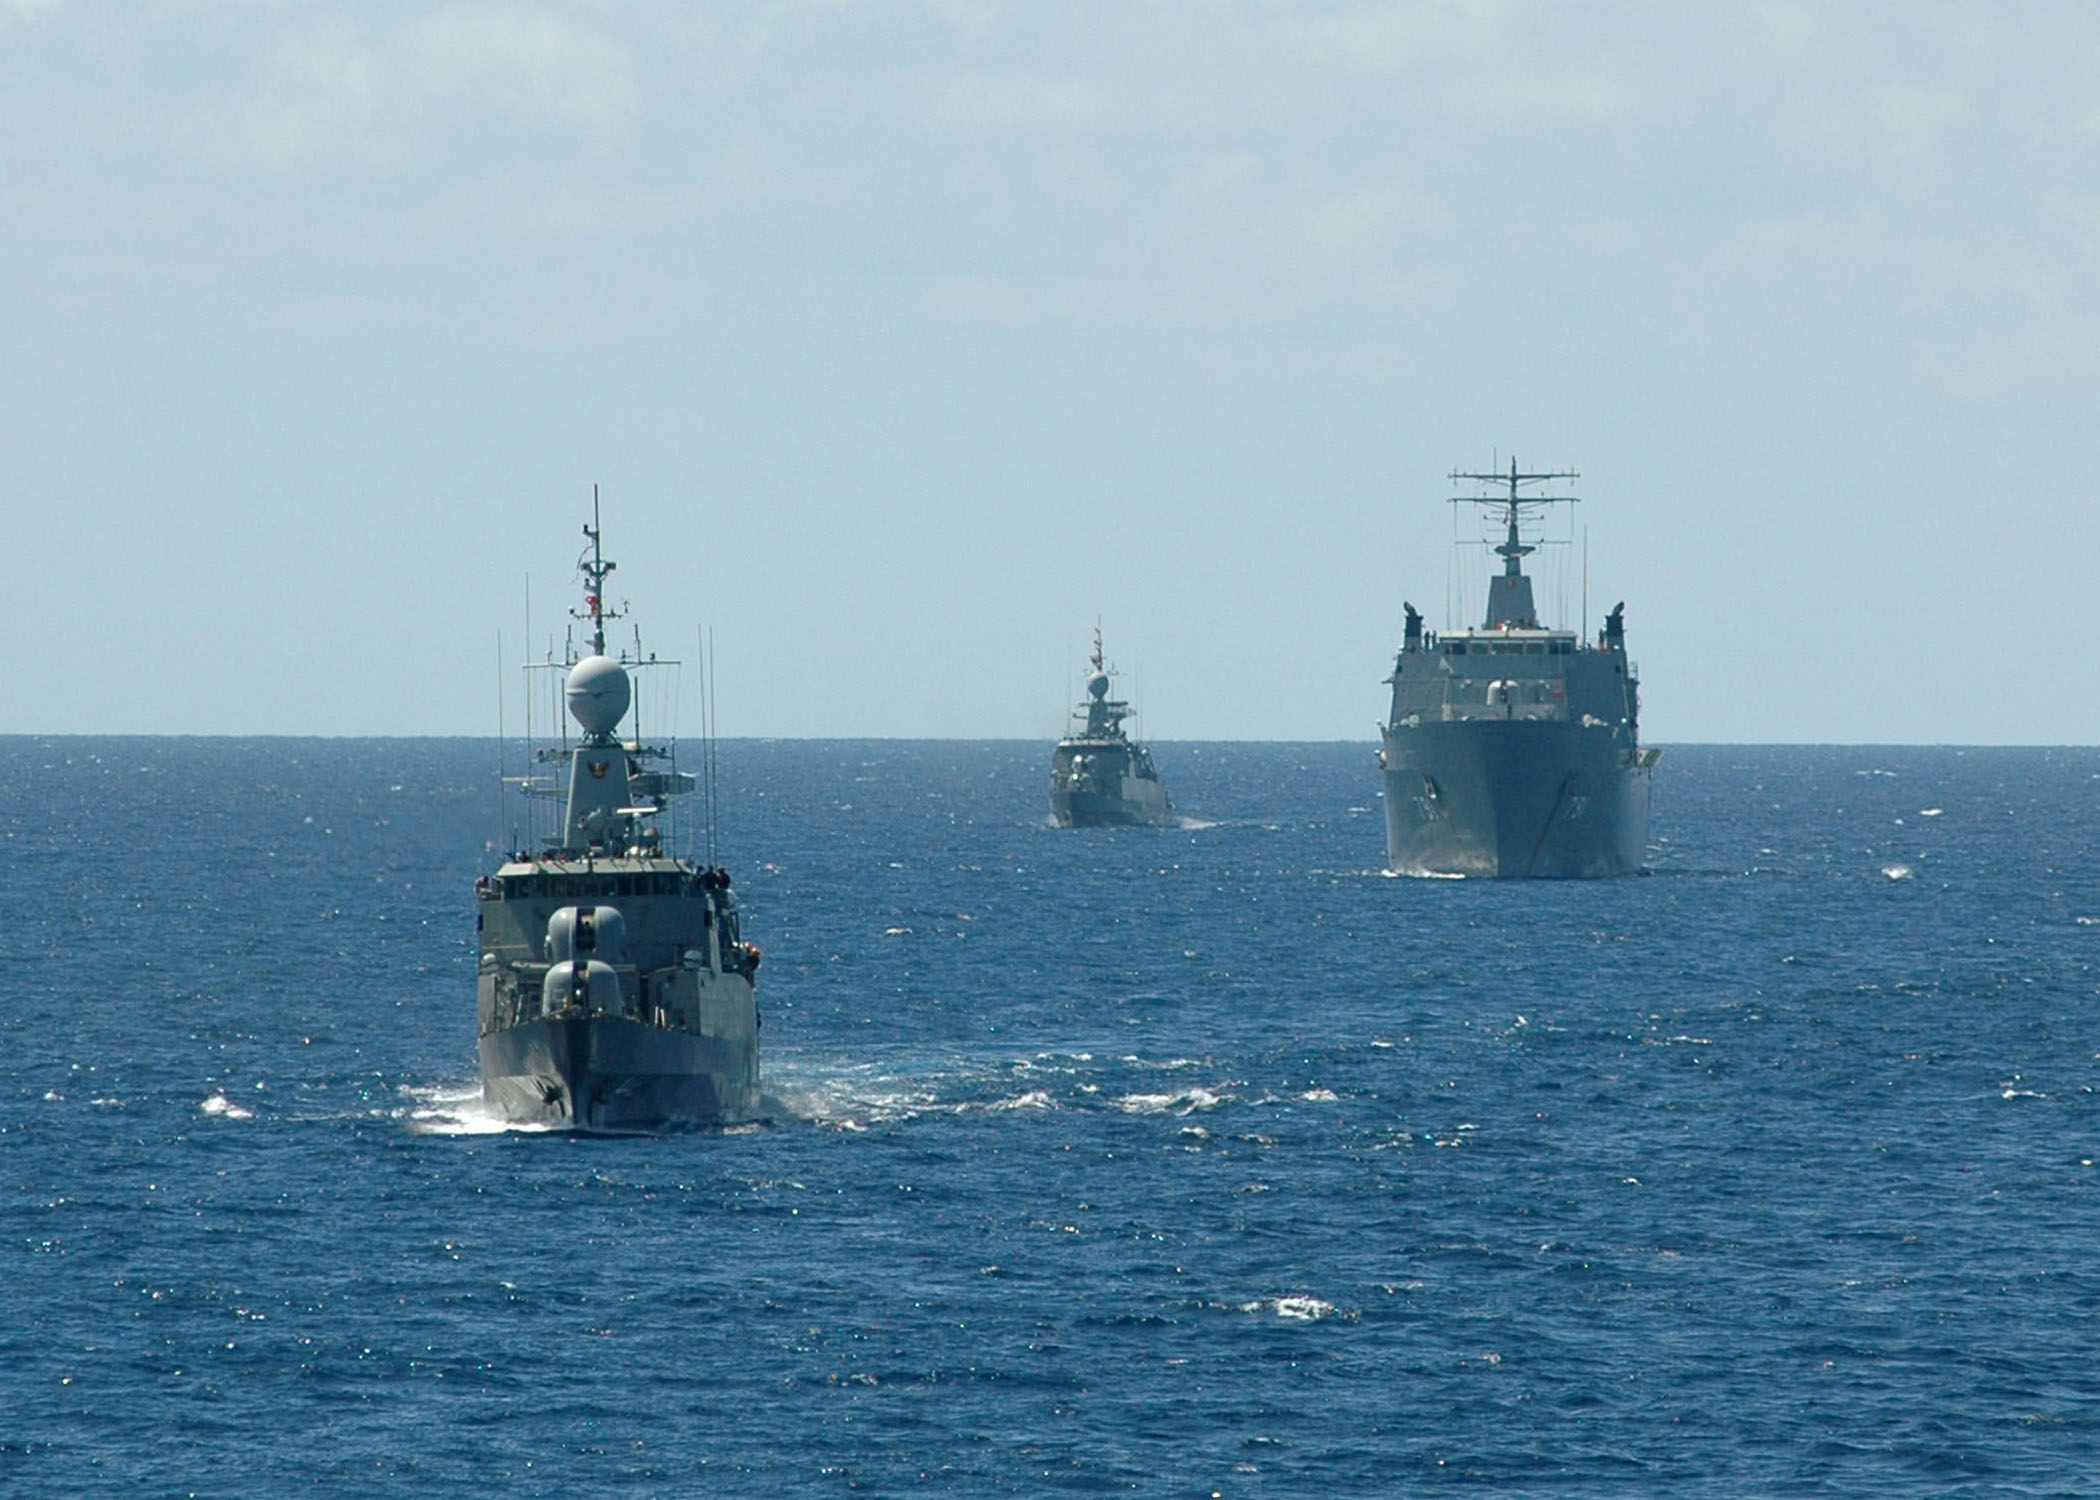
(1509, 596)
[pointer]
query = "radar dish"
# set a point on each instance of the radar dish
(598, 694)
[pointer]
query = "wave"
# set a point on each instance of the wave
(1292, 1309)
(1033, 1099)
(1186, 1102)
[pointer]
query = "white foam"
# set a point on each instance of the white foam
(1292, 1309)
(1033, 1099)
(1144, 1104)
(1929, 812)
(1064, 1063)
(460, 1109)
(844, 1105)
(216, 1103)
(1897, 872)
(1186, 1102)
(854, 1098)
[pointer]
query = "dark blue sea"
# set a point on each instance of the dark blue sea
(1210, 1162)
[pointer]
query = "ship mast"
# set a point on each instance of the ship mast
(1104, 715)
(601, 810)
(594, 569)
(1509, 597)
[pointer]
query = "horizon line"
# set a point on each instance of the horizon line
(898, 739)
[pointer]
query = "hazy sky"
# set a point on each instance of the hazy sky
(906, 340)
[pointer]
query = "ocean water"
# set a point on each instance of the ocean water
(1200, 1162)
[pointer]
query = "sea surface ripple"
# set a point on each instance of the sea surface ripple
(1208, 1161)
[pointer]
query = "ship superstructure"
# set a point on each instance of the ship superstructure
(1099, 776)
(1511, 748)
(616, 990)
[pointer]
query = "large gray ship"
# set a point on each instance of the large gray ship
(1099, 776)
(616, 991)
(1513, 749)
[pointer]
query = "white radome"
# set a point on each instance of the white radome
(598, 694)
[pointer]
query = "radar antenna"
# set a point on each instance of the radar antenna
(1513, 546)
(1509, 596)
(594, 568)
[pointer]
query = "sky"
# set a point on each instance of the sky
(905, 342)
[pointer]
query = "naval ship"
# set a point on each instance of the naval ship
(1513, 749)
(1099, 777)
(616, 990)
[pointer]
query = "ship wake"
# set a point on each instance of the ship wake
(458, 1109)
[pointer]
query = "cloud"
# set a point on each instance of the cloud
(533, 70)
(387, 93)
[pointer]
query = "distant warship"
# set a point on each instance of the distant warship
(1099, 776)
(1512, 749)
(615, 988)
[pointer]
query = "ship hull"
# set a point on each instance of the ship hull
(616, 1074)
(1143, 804)
(1515, 798)
(1104, 784)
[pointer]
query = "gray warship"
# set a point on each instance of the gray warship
(1100, 777)
(616, 990)
(1513, 749)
